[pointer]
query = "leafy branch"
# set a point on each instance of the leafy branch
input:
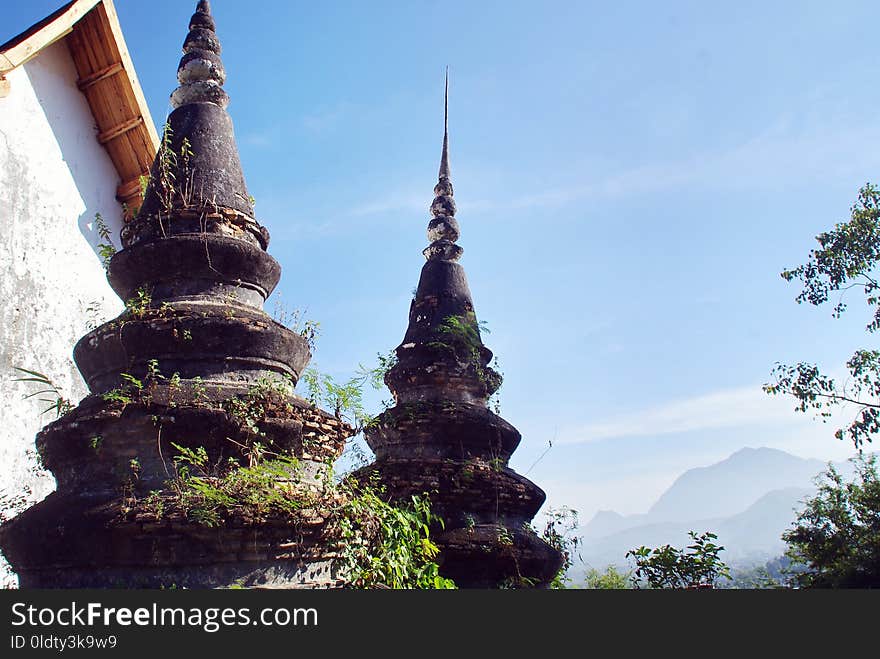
(106, 250)
(53, 395)
(461, 335)
(847, 259)
(390, 546)
(346, 399)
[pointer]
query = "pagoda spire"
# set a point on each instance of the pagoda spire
(444, 156)
(443, 229)
(197, 176)
(200, 72)
(441, 438)
(443, 306)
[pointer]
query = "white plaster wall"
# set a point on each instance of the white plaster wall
(54, 177)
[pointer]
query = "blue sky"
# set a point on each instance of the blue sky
(631, 178)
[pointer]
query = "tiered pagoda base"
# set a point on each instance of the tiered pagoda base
(457, 454)
(118, 518)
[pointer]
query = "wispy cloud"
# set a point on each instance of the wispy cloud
(325, 119)
(767, 160)
(410, 202)
(257, 139)
(309, 230)
(741, 407)
(272, 135)
(318, 122)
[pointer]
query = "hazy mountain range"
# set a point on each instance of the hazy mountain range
(748, 500)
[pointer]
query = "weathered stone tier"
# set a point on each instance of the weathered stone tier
(195, 264)
(410, 431)
(460, 490)
(498, 555)
(215, 339)
(92, 447)
(107, 544)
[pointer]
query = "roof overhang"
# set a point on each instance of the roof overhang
(106, 77)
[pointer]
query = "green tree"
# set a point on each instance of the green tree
(836, 538)
(610, 579)
(776, 573)
(697, 566)
(846, 261)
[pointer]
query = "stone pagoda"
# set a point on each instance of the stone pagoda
(192, 378)
(440, 437)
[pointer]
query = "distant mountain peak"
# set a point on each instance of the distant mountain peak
(757, 451)
(749, 498)
(730, 486)
(606, 522)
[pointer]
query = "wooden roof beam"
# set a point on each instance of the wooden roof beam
(129, 189)
(98, 76)
(120, 129)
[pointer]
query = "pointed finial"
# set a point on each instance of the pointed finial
(209, 175)
(444, 158)
(443, 228)
(200, 73)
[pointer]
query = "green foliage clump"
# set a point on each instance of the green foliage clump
(208, 493)
(610, 579)
(136, 388)
(775, 573)
(375, 376)
(461, 336)
(138, 305)
(250, 408)
(668, 567)
(836, 538)
(390, 546)
(464, 334)
(382, 545)
(847, 259)
(558, 532)
(344, 398)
